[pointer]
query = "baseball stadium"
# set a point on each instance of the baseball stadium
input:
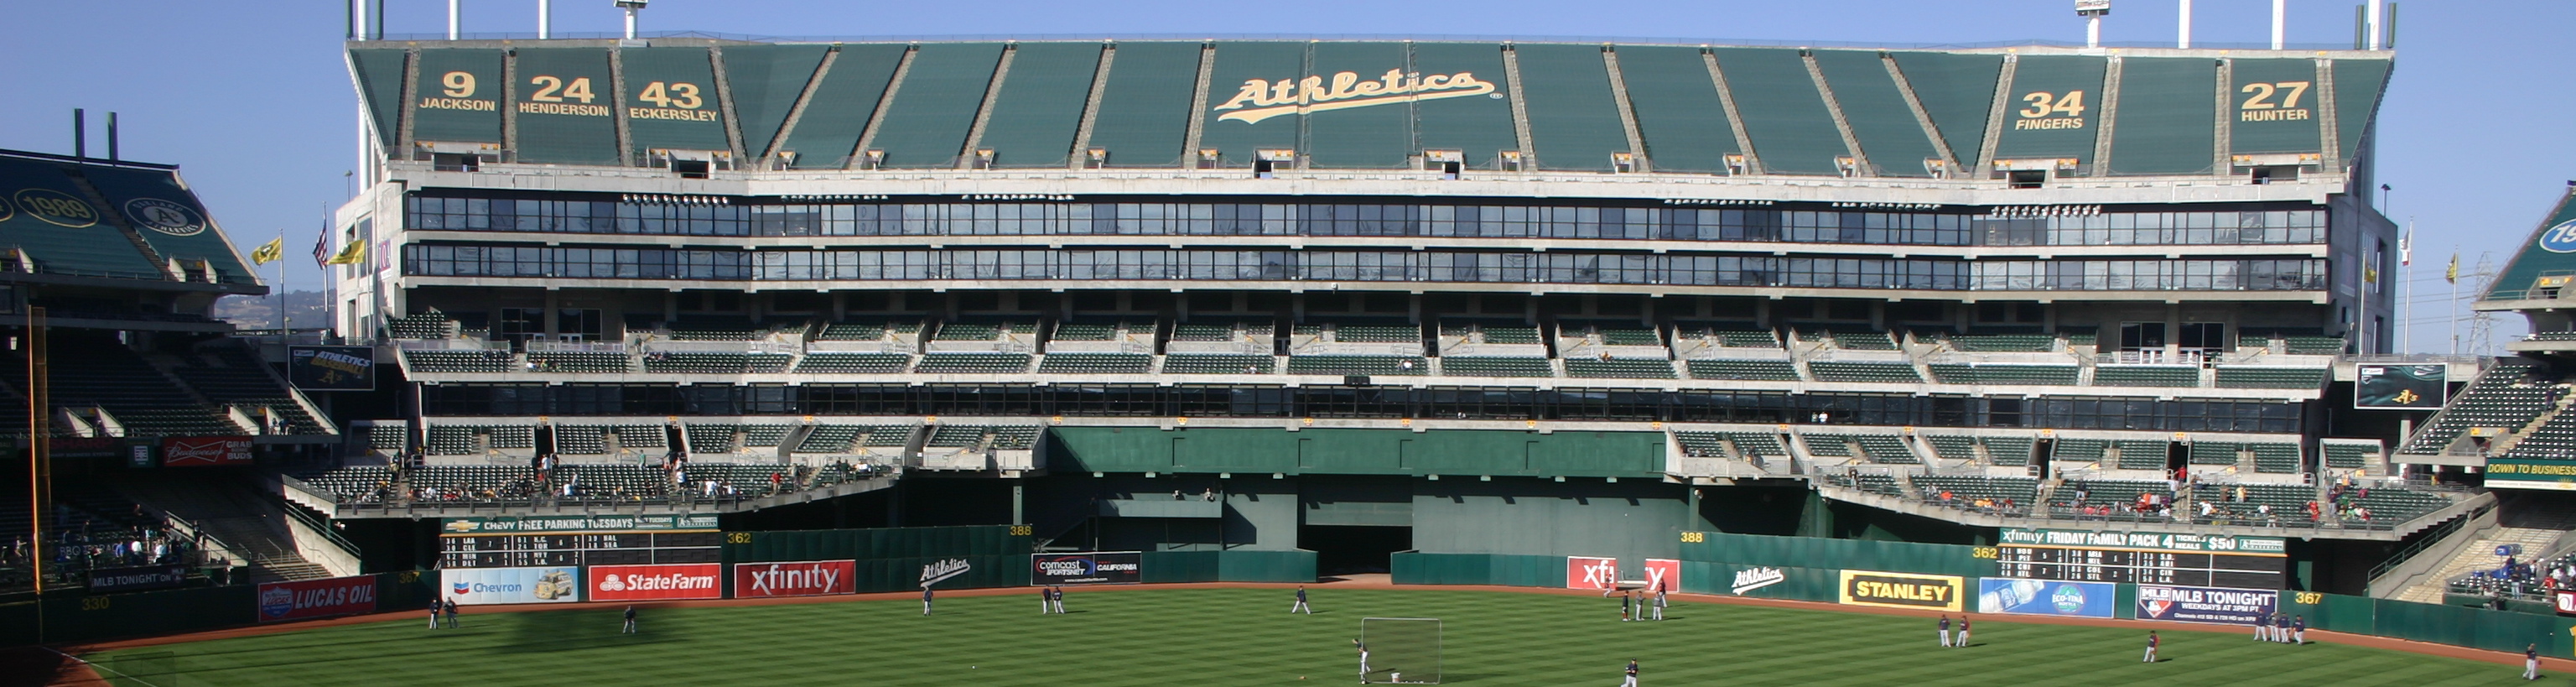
(1444, 347)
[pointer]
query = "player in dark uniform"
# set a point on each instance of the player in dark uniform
(630, 621)
(1631, 681)
(925, 599)
(434, 606)
(2151, 646)
(2299, 630)
(451, 615)
(1963, 631)
(2531, 662)
(1046, 598)
(1945, 630)
(1627, 604)
(1301, 603)
(2281, 627)
(1058, 599)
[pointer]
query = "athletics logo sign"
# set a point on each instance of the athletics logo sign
(1756, 578)
(165, 216)
(940, 571)
(1259, 99)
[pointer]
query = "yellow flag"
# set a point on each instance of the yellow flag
(2452, 274)
(268, 252)
(354, 253)
(2369, 275)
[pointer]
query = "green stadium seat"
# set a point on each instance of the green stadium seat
(1619, 368)
(1482, 366)
(1095, 363)
(1218, 364)
(939, 362)
(2146, 375)
(2004, 373)
(1895, 373)
(2251, 377)
(470, 361)
(1760, 370)
(1342, 365)
(841, 362)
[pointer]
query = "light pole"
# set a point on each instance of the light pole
(631, 7)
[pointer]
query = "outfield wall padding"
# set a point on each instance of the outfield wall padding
(1477, 568)
(1795, 583)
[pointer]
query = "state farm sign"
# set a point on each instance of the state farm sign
(204, 451)
(652, 582)
(798, 578)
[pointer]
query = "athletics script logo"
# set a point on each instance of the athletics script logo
(1259, 99)
(1757, 578)
(940, 571)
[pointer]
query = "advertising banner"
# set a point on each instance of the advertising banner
(279, 601)
(2531, 473)
(1584, 572)
(2152, 541)
(551, 585)
(1750, 580)
(795, 578)
(2564, 600)
(655, 582)
(331, 368)
(137, 578)
(1663, 574)
(2399, 387)
(2206, 604)
(204, 451)
(576, 523)
(1091, 567)
(1903, 590)
(2046, 597)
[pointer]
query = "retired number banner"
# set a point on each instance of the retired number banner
(1903, 590)
(794, 578)
(655, 582)
(280, 601)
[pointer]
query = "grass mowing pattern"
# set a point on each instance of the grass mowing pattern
(1246, 637)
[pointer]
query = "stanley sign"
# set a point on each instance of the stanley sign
(1902, 590)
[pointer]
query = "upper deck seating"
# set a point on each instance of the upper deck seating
(1762, 370)
(2146, 375)
(1888, 372)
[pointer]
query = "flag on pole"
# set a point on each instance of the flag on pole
(269, 252)
(2452, 273)
(322, 249)
(353, 254)
(2406, 245)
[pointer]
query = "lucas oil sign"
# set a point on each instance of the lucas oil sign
(1902, 590)
(317, 598)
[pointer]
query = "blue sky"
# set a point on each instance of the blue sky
(252, 100)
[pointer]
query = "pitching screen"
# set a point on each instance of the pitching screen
(1402, 650)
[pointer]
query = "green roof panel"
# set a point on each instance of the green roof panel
(2167, 106)
(766, 80)
(1145, 108)
(933, 109)
(380, 79)
(1040, 106)
(1478, 126)
(2551, 251)
(1369, 131)
(839, 111)
(1957, 92)
(2054, 109)
(1678, 113)
(1240, 122)
(2276, 107)
(52, 220)
(1574, 124)
(1886, 128)
(2359, 84)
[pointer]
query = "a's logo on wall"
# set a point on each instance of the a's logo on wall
(2559, 239)
(1259, 99)
(1757, 578)
(939, 571)
(165, 216)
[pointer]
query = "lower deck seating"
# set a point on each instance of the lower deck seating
(2214, 452)
(1952, 447)
(1619, 368)
(842, 362)
(2276, 457)
(1482, 366)
(2117, 494)
(2141, 454)
(2349, 456)
(2078, 450)
(1883, 485)
(2146, 375)
(579, 361)
(1757, 370)
(461, 361)
(2009, 451)
(2003, 493)
(2249, 377)
(972, 363)
(1889, 372)
(1095, 363)
(1357, 365)
(1219, 363)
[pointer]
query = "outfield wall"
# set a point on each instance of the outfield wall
(74, 616)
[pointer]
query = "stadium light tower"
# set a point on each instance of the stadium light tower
(2092, 11)
(2182, 31)
(631, 7)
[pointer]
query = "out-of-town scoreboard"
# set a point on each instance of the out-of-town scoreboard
(2195, 560)
(520, 542)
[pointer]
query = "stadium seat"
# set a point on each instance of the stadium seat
(1095, 363)
(1482, 366)
(2250, 377)
(1619, 368)
(2146, 375)
(2003, 373)
(839, 362)
(937, 362)
(1218, 363)
(1762, 370)
(1884, 373)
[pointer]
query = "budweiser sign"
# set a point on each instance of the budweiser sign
(799, 578)
(654, 582)
(204, 451)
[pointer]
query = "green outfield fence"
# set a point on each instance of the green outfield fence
(891, 559)
(1507, 570)
(74, 616)
(1854, 554)
(1228, 566)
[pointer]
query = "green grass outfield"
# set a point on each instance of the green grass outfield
(1246, 637)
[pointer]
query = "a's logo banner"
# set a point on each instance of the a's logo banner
(938, 571)
(1259, 99)
(2038, 597)
(2399, 387)
(1583, 572)
(280, 601)
(1095, 567)
(1751, 579)
(138, 578)
(473, 586)
(165, 216)
(204, 451)
(1902, 590)
(2565, 600)
(331, 368)
(2206, 604)
(655, 582)
(799, 578)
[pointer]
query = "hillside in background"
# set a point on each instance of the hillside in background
(304, 310)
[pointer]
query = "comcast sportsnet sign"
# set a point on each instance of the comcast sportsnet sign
(655, 582)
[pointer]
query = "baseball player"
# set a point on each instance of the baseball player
(2151, 646)
(1660, 602)
(2281, 627)
(2262, 628)
(1945, 630)
(1631, 680)
(1355, 644)
(2299, 630)
(1301, 602)
(925, 599)
(1963, 630)
(1627, 604)
(630, 621)
(1059, 600)
(434, 606)
(451, 615)
(1046, 597)
(2531, 662)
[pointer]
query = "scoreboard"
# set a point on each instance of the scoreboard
(579, 540)
(586, 548)
(2191, 560)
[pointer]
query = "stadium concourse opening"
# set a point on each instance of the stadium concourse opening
(1353, 549)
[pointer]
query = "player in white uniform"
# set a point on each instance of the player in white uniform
(1631, 679)
(1660, 602)
(1301, 603)
(1058, 599)
(1364, 671)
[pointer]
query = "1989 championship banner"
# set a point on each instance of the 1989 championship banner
(1090, 567)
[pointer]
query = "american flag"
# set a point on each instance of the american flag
(322, 249)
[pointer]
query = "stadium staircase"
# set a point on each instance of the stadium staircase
(255, 529)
